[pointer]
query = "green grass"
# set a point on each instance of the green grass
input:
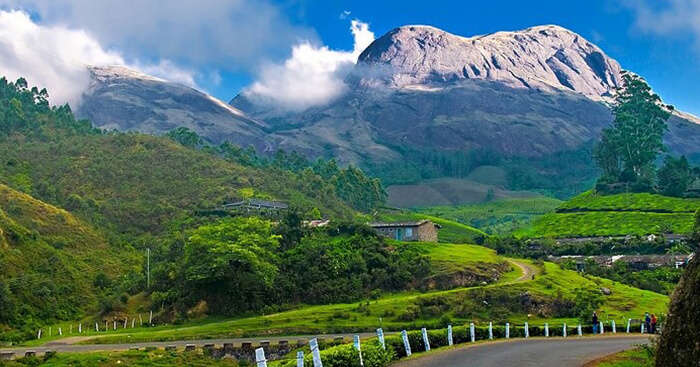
(591, 214)
(496, 217)
(130, 358)
(460, 305)
(642, 202)
(451, 231)
(637, 357)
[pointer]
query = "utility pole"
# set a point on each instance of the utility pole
(148, 268)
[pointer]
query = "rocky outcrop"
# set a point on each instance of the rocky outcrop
(123, 99)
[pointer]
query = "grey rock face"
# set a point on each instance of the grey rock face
(544, 57)
(123, 99)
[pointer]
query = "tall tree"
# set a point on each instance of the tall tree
(635, 138)
(674, 176)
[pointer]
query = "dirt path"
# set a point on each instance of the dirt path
(528, 271)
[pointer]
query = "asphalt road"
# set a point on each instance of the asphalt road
(540, 352)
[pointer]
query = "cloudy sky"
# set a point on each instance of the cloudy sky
(295, 51)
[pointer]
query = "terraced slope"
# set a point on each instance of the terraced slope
(591, 214)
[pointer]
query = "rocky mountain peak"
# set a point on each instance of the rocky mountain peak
(541, 57)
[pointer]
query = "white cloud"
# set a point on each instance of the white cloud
(204, 34)
(313, 75)
(669, 17)
(55, 58)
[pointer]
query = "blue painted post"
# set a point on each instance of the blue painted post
(300, 359)
(406, 344)
(449, 335)
(313, 344)
(356, 344)
(546, 330)
(471, 332)
(527, 331)
(425, 339)
(490, 330)
(260, 357)
(507, 330)
(380, 336)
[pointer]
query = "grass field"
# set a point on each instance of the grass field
(591, 214)
(413, 310)
(130, 358)
(451, 231)
(637, 357)
(498, 216)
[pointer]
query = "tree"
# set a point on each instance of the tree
(231, 264)
(674, 176)
(628, 148)
(186, 137)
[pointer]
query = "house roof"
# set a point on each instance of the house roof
(398, 224)
(259, 203)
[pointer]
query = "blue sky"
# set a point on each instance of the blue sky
(225, 46)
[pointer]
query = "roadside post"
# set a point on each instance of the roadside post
(313, 344)
(425, 339)
(507, 330)
(356, 344)
(580, 332)
(527, 331)
(629, 321)
(564, 331)
(406, 344)
(38, 335)
(380, 336)
(614, 329)
(546, 330)
(300, 359)
(471, 332)
(602, 328)
(449, 335)
(260, 357)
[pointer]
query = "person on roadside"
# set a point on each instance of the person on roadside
(653, 324)
(647, 323)
(595, 323)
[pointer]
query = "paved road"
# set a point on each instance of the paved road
(62, 346)
(536, 352)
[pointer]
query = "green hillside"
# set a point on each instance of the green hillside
(496, 217)
(592, 214)
(451, 231)
(49, 261)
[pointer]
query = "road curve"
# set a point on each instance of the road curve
(540, 352)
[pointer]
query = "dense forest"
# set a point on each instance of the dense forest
(132, 191)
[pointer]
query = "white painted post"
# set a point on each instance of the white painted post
(114, 326)
(471, 332)
(356, 344)
(406, 344)
(97, 327)
(629, 321)
(527, 331)
(300, 359)
(425, 339)
(133, 322)
(260, 357)
(546, 330)
(50, 330)
(614, 329)
(38, 335)
(150, 319)
(80, 328)
(449, 335)
(642, 328)
(313, 344)
(106, 325)
(490, 330)
(380, 336)
(140, 320)
(564, 331)
(602, 328)
(60, 332)
(580, 331)
(507, 330)
(125, 320)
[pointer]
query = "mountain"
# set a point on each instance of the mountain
(422, 99)
(123, 99)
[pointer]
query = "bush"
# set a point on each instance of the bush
(373, 355)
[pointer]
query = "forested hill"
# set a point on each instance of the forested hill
(134, 183)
